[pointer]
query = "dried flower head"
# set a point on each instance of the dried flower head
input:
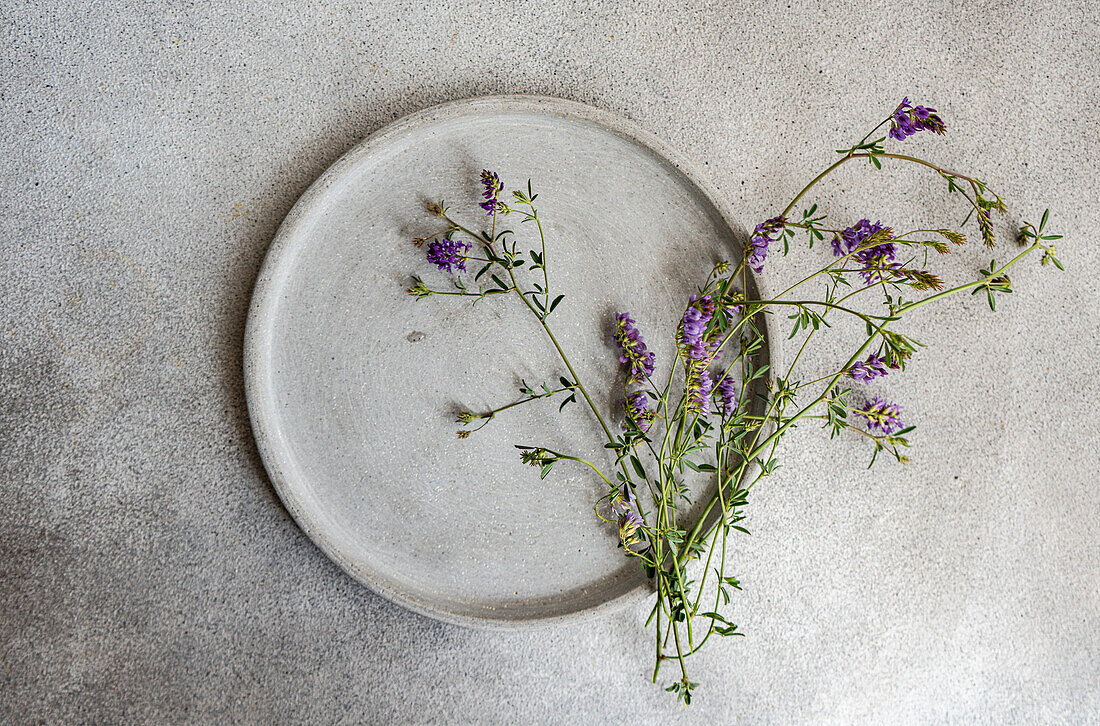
(628, 527)
(698, 386)
(632, 349)
(418, 289)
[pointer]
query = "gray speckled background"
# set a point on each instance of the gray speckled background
(147, 570)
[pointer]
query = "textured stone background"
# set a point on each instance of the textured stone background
(149, 573)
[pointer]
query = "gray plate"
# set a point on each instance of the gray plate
(352, 385)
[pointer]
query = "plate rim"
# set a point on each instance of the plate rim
(261, 301)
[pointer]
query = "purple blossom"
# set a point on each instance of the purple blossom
(870, 369)
(492, 188)
(447, 254)
(633, 350)
(908, 120)
(693, 327)
(763, 236)
(637, 410)
(727, 392)
(881, 416)
(628, 527)
(854, 236)
(876, 259)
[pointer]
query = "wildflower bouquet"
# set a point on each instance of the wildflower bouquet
(717, 410)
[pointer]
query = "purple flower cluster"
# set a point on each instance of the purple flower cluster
(633, 350)
(881, 416)
(875, 260)
(492, 188)
(763, 236)
(869, 370)
(693, 326)
(854, 236)
(638, 411)
(727, 392)
(448, 255)
(908, 120)
(697, 352)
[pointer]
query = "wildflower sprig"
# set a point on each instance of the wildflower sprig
(714, 417)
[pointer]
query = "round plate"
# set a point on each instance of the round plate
(353, 385)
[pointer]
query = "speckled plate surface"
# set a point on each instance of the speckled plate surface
(352, 385)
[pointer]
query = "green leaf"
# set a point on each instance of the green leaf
(554, 304)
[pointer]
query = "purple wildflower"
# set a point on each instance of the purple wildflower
(854, 236)
(697, 352)
(634, 352)
(628, 527)
(875, 259)
(908, 120)
(869, 369)
(448, 254)
(881, 416)
(693, 326)
(491, 182)
(761, 238)
(727, 391)
(637, 410)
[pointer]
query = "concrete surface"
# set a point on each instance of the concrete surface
(149, 574)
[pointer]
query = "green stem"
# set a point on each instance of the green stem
(814, 181)
(495, 411)
(564, 358)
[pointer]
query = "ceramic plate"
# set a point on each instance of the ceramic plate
(352, 385)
